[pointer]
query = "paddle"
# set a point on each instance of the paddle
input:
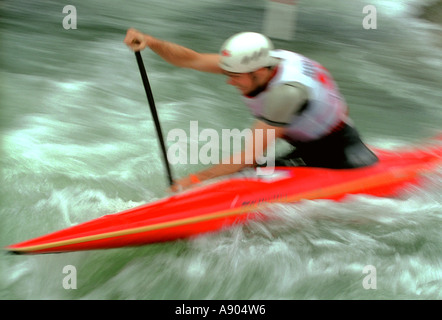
(153, 110)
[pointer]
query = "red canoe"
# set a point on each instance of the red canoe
(234, 200)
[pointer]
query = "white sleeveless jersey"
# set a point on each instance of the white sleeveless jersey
(326, 108)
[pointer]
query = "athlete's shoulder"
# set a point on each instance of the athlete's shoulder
(283, 101)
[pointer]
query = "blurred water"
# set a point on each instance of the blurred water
(78, 142)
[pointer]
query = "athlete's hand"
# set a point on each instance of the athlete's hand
(184, 183)
(135, 39)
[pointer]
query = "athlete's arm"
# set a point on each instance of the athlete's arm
(255, 149)
(173, 53)
(281, 104)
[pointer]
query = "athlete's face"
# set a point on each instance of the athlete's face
(247, 82)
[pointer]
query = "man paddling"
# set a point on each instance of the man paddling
(288, 93)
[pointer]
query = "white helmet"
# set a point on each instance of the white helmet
(246, 52)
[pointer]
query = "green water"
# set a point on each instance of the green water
(78, 142)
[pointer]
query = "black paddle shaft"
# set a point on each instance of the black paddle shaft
(153, 110)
